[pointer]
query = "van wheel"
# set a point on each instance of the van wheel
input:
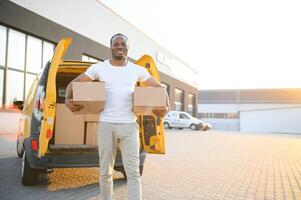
(19, 149)
(193, 127)
(166, 125)
(140, 171)
(28, 174)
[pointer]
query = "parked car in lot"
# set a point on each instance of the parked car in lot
(180, 119)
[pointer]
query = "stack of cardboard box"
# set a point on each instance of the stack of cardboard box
(91, 122)
(80, 127)
(69, 128)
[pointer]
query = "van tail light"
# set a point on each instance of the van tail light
(49, 133)
(41, 105)
(34, 145)
(37, 104)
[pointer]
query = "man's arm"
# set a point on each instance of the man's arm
(69, 94)
(154, 83)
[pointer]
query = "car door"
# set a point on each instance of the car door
(151, 127)
(184, 120)
(25, 121)
(174, 119)
(47, 123)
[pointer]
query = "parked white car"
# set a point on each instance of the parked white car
(180, 119)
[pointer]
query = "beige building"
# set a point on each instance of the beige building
(29, 31)
(252, 110)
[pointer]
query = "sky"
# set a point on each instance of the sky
(234, 44)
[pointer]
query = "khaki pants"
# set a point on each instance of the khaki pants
(126, 135)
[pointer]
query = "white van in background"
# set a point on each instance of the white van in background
(180, 119)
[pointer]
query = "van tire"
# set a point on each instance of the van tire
(20, 148)
(166, 125)
(140, 171)
(29, 175)
(194, 127)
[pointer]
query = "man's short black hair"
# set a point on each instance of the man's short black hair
(118, 34)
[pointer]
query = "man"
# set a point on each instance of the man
(117, 122)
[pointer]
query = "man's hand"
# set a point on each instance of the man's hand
(73, 107)
(69, 94)
(154, 83)
(161, 113)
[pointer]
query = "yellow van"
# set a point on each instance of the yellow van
(36, 138)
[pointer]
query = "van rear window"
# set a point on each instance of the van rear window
(62, 92)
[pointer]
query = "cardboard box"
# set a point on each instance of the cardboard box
(147, 99)
(92, 118)
(69, 128)
(92, 133)
(89, 94)
(92, 122)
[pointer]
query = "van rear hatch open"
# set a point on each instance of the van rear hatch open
(60, 73)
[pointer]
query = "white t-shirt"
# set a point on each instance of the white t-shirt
(120, 84)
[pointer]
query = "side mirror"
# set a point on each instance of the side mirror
(19, 104)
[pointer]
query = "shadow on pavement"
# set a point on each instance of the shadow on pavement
(74, 183)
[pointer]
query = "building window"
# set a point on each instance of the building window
(14, 86)
(179, 99)
(48, 49)
(28, 82)
(220, 115)
(20, 48)
(87, 58)
(2, 45)
(33, 55)
(1, 86)
(16, 50)
(191, 104)
(233, 115)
